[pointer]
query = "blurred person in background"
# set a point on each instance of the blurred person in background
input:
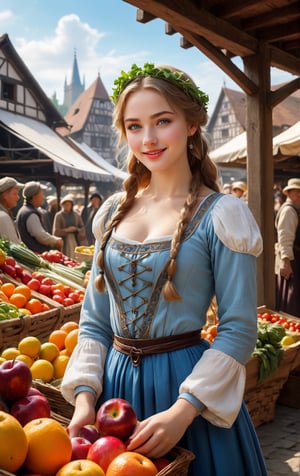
(29, 221)
(49, 213)
(88, 214)
(287, 251)
(69, 225)
(9, 197)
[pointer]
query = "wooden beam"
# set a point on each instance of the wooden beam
(185, 44)
(186, 15)
(222, 61)
(260, 170)
(277, 96)
(144, 17)
(169, 30)
(266, 19)
(284, 61)
(280, 32)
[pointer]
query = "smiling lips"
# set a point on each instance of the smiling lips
(153, 154)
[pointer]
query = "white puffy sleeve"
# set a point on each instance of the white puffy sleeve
(235, 226)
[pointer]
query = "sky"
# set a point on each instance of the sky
(107, 38)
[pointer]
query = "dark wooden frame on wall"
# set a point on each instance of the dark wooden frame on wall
(263, 35)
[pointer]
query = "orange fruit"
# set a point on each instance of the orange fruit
(60, 364)
(80, 467)
(71, 340)
(45, 307)
(42, 369)
(58, 337)
(49, 351)
(34, 305)
(23, 289)
(18, 300)
(26, 359)
(13, 443)
(69, 326)
(10, 353)
(8, 289)
(131, 463)
(49, 446)
(3, 296)
(30, 345)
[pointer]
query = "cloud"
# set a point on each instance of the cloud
(50, 59)
(4, 16)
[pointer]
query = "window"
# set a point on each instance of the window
(225, 133)
(225, 119)
(8, 91)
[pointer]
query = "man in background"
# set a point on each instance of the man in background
(88, 214)
(9, 197)
(287, 250)
(29, 221)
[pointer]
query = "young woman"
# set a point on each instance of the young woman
(164, 248)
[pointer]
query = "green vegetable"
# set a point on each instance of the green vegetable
(268, 347)
(27, 257)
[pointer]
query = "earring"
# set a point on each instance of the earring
(190, 146)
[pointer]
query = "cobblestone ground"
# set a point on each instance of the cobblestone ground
(280, 442)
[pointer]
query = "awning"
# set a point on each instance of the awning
(66, 160)
(232, 151)
(97, 159)
(288, 142)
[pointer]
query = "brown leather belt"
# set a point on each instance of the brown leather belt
(137, 348)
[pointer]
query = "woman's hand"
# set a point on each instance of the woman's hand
(84, 413)
(157, 435)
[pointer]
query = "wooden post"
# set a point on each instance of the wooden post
(260, 170)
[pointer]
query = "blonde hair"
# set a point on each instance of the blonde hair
(203, 170)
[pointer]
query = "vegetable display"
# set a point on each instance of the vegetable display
(268, 347)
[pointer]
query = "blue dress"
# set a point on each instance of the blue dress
(133, 307)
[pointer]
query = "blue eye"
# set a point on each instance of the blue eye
(133, 127)
(164, 121)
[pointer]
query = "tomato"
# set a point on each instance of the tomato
(292, 328)
(47, 281)
(68, 302)
(34, 284)
(58, 298)
(266, 316)
(10, 261)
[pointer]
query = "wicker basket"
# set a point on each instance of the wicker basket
(179, 466)
(261, 396)
(57, 402)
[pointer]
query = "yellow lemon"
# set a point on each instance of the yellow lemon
(42, 369)
(287, 340)
(49, 351)
(26, 359)
(30, 345)
(10, 353)
(60, 364)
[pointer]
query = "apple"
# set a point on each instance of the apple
(80, 467)
(15, 380)
(116, 417)
(34, 391)
(160, 463)
(45, 289)
(29, 408)
(104, 450)
(89, 432)
(80, 447)
(25, 277)
(34, 284)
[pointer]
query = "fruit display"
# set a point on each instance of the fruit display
(43, 447)
(45, 361)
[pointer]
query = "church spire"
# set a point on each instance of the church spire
(75, 88)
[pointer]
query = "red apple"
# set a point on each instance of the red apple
(34, 284)
(25, 277)
(30, 408)
(160, 463)
(15, 380)
(89, 432)
(116, 417)
(80, 447)
(19, 270)
(104, 450)
(34, 391)
(45, 289)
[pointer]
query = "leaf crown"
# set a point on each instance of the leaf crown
(149, 69)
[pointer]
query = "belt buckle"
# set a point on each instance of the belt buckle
(136, 356)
